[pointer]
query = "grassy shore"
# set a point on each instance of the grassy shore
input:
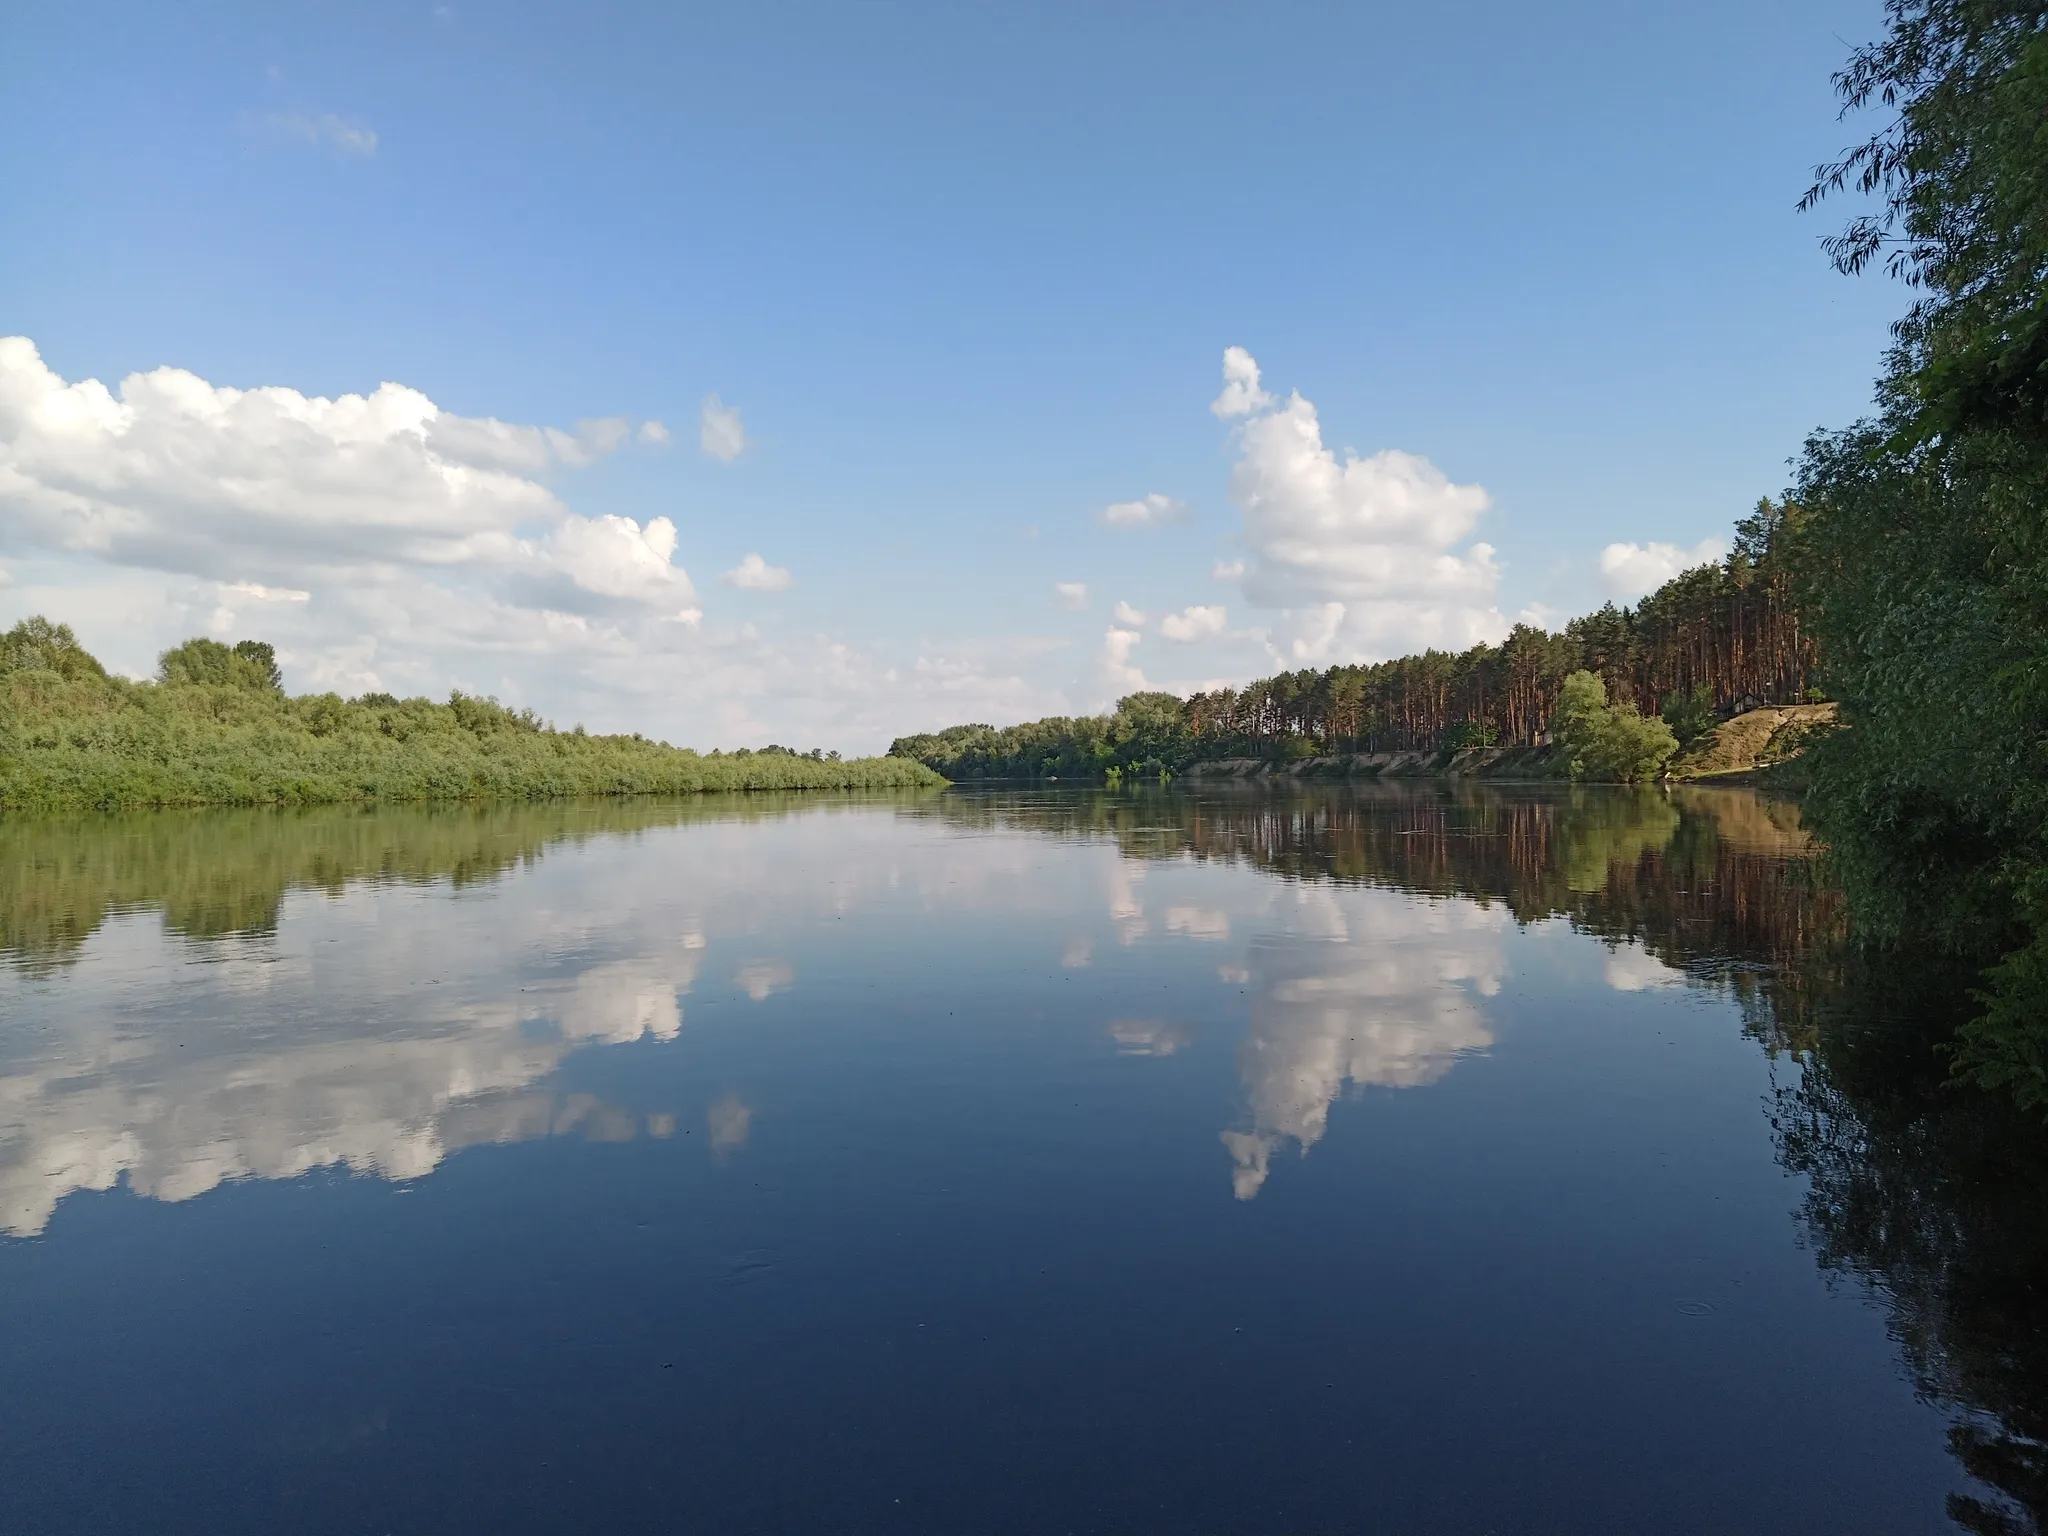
(78, 739)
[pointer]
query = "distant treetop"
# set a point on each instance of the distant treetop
(37, 645)
(247, 664)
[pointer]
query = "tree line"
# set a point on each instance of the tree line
(1708, 642)
(216, 727)
(1922, 561)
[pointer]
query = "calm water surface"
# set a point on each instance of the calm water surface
(1396, 1160)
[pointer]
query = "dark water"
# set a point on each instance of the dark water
(1384, 1161)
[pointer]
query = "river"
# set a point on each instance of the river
(1425, 1157)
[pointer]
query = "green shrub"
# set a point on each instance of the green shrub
(37, 645)
(1606, 741)
(214, 730)
(1690, 715)
(1472, 733)
(247, 664)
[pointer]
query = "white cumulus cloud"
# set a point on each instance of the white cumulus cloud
(1192, 624)
(1365, 557)
(616, 557)
(1241, 393)
(719, 432)
(1146, 512)
(1073, 595)
(382, 542)
(249, 486)
(1124, 613)
(1117, 669)
(1631, 570)
(754, 574)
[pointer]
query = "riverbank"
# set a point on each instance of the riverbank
(1762, 744)
(93, 742)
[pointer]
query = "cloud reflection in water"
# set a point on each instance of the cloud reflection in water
(380, 1027)
(1384, 997)
(325, 1079)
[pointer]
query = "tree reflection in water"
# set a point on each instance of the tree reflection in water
(1934, 1198)
(1931, 1196)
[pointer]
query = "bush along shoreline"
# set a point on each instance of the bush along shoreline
(217, 728)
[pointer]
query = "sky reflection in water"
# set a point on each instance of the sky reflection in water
(1390, 1160)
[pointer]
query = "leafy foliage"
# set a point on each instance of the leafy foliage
(1613, 742)
(248, 664)
(215, 729)
(1690, 715)
(1145, 732)
(37, 645)
(1923, 560)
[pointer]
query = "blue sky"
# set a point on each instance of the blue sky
(966, 274)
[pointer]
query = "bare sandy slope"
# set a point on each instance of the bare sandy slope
(1751, 741)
